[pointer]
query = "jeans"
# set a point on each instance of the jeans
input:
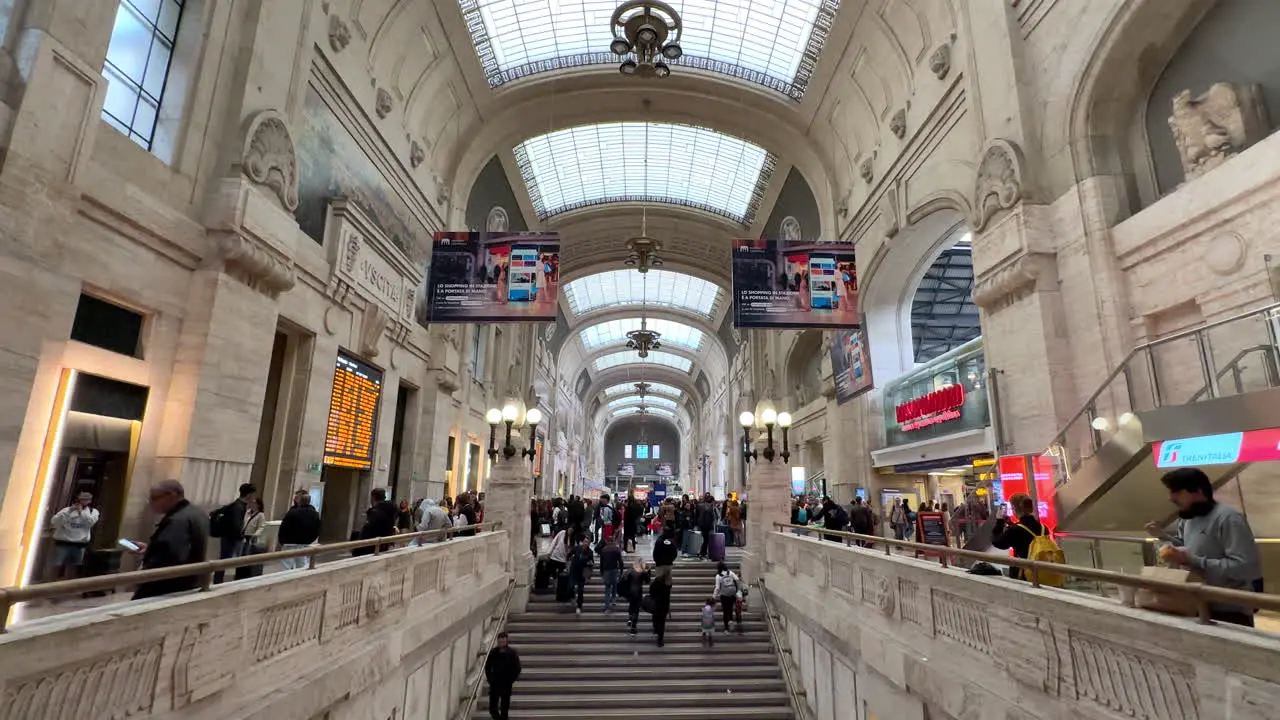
(633, 613)
(728, 604)
(499, 702)
(298, 563)
(228, 547)
(579, 587)
(706, 544)
(728, 536)
(610, 578)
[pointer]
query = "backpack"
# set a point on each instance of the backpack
(1044, 549)
(220, 522)
(726, 584)
(803, 517)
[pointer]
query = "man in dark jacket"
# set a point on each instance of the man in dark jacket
(577, 513)
(227, 524)
(706, 524)
(180, 538)
(379, 520)
(1017, 535)
(863, 519)
(610, 569)
(501, 670)
(581, 559)
(834, 518)
(665, 549)
(299, 528)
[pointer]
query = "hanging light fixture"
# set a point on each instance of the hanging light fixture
(642, 250)
(644, 339)
(646, 33)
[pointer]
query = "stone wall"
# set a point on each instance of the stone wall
(393, 637)
(877, 637)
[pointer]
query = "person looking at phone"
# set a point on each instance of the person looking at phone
(180, 538)
(1017, 535)
(72, 530)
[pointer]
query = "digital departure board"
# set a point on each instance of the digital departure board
(353, 414)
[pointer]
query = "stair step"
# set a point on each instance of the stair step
(618, 624)
(652, 697)
(767, 670)
(620, 711)
(647, 653)
(579, 640)
(632, 687)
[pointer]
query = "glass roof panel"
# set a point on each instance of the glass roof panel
(652, 411)
(654, 388)
(648, 400)
(615, 331)
(655, 358)
(650, 162)
(774, 43)
(663, 288)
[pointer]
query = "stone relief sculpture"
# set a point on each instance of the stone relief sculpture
(339, 33)
(270, 156)
(416, 154)
(889, 212)
(865, 170)
(999, 184)
(382, 103)
(442, 189)
(789, 229)
(898, 124)
(253, 265)
(372, 325)
(940, 61)
(497, 221)
(1211, 128)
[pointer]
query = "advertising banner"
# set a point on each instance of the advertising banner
(663, 470)
(794, 284)
(850, 365)
(477, 277)
(1226, 449)
(626, 470)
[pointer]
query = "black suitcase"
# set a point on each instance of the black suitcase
(564, 592)
(542, 576)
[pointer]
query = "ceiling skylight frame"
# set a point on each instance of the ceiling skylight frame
(653, 412)
(614, 332)
(699, 49)
(626, 288)
(629, 357)
(654, 389)
(650, 400)
(581, 166)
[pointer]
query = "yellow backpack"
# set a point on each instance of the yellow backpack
(1044, 549)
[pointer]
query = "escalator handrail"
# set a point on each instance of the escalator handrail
(1232, 365)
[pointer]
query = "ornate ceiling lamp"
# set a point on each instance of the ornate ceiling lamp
(644, 339)
(649, 32)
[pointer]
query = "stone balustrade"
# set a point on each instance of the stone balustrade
(391, 636)
(881, 637)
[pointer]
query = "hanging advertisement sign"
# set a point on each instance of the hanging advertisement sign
(663, 470)
(488, 277)
(850, 364)
(627, 470)
(794, 284)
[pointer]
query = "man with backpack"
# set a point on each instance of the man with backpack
(834, 517)
(1029, 540)
(227, 524)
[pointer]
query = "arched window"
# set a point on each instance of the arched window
(943, 316)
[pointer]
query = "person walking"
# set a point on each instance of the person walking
(299, 528)
(898, 519)
(728, 590)
(660, 593)
(227, 524)
(863, 520)
(834, 517)
(180, 538)
(501, 670)
(632, 515)
(633, 585)
(434, 518)
(379, 520)
(255, 524)
(733, 518)
(581, 560)
(610, 569)
(72, 530)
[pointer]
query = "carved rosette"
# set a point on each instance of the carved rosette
(270, 157)
(999, 185)
(375, 602)
(339, 33)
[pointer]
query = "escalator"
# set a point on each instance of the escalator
(1173, 389)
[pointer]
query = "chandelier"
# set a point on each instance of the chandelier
(641, 29)
(642, 341)
(642, 252)
(642, 389)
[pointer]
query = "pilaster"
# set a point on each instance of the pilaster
(769, 502)
(507, 494)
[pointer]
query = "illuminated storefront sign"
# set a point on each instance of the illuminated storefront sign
(1226, 449)
(1013, 480)
(931, 409)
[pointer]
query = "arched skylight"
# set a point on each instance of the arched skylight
(650, 162)
(655, 358)
(654, 388)
(648, 400)
(615, 331)
(652, 411)
(663, 288)
(774, 43)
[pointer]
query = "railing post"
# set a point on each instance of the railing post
(6, 607)
(1272, 357)
(1128, 386)
(1154, 378)
(1206, 364)
(1095, 437)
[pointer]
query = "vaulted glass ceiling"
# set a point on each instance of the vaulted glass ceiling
(654, 388)
(655, 358)
(774, 43)
(644, 162)
(652, 411)
(663, 288)
(648, 400)
(615, 331)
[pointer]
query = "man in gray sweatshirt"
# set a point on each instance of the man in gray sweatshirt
(1211, 538)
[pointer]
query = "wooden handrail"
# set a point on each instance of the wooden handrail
(1203, 594)
(41, 591)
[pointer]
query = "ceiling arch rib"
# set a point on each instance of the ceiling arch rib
(655, 412)
(771, 43)
(653, 389)
(646, 400)
(651, 162)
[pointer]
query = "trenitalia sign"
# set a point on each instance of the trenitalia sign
(1225, 449)
(936, 407)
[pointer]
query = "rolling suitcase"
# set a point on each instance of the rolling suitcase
(542, 577)
(693, 539)
(564, 592)
(716, 551)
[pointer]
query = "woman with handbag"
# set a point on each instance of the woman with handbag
(255, 523)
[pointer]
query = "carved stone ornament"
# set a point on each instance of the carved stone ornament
(416, 154)
(372, 325)
(253, 265)
(382, 104)
(270, 156)
(352, 254)
(442, 190)
(498, 220)
(999, 184)
(1211, 128)
(1009, 282)
(865, 170)
(842, 205)
(889, 212)
(940, 61)
(898, 124)
(339, 33)
(790, 229)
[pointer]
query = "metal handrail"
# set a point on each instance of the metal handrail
(1202, 594)
(1136, 539)
(469, 700)
(40, 591)
(795, 688)
(1233, 365)
(1124, 364)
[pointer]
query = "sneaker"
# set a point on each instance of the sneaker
(577, 611)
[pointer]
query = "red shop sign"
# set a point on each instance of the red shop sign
(931, 409)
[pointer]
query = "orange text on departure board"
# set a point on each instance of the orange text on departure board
(353, 415)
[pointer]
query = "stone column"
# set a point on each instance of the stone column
(769, 502)
(507, 494)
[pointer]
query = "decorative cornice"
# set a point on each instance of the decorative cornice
(255, 266)
(1007, 283)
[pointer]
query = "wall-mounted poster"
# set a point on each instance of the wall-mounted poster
(663, 470)
(485, 277)
(626, 470)
(850, 365)
(794, 284)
